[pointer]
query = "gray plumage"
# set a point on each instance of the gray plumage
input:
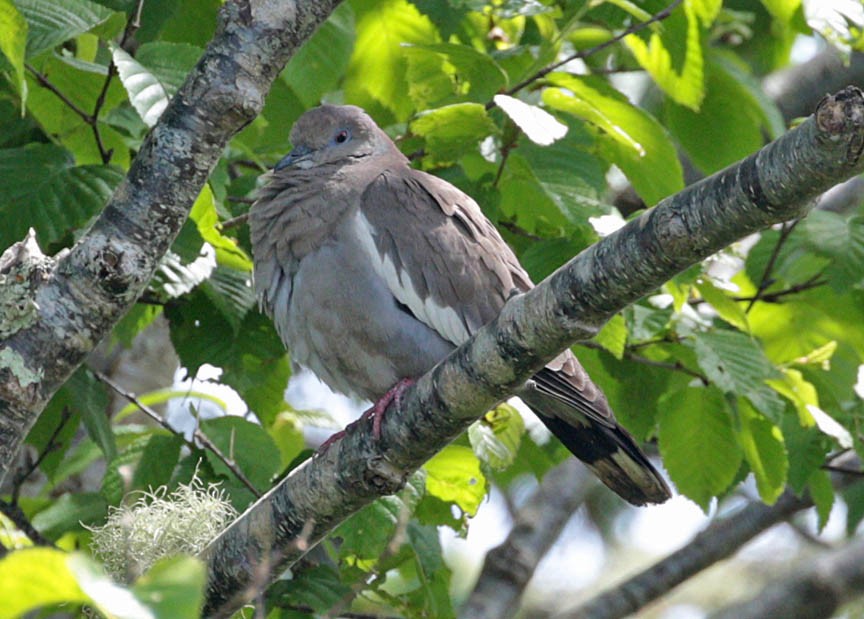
(373, 272)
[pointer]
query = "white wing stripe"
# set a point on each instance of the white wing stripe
(445, 320)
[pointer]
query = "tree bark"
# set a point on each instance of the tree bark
(816, 592)
(509, 567)
(55, 311)
(774, 185)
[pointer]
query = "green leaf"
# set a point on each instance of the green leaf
(376, 76)
(613, 336)
(68, 512)
(839, 240)
(168, 62)
(13, 42)
(52, 22)
(731, 119)
(319, 64)
(732, 361)
(366, 535)
(685, 86)
(727, 308)
(495, 438)
(157, 463)
(111, 599)
(173, 588)
(33, 578)
(58, 198)
(822, 493)
(628, 136)
(799, 391)
(452, 130)
(698, 444)
(454, 475)
(88, 396)
(465, 73)
(147, 95)
(765, 452)
(206, 218)
(318, 586)
(251, 449)
(556, 186)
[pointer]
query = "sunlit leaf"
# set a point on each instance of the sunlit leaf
(454, 475)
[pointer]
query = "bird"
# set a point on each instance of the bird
(373, 271)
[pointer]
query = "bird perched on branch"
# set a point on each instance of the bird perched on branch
(373, 272)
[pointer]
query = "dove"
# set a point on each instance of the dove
(373, 272)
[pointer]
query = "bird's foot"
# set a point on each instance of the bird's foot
(376, 412)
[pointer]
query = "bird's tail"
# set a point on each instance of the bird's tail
(607, 448)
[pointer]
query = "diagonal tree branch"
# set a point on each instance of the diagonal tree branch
(776, 184)
(509, 566)
(817, 591)
(71, 303)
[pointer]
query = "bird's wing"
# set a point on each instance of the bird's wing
(439, 254)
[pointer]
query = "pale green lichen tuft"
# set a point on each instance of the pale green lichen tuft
(18, 366)
(158, 525)
(17, 309)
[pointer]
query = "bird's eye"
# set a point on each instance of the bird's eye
(342, 137)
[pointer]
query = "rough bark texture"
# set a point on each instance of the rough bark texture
(776, 184)
(509, 567)
(816, 592)
(69, 304)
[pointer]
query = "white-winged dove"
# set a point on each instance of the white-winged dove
(373, 272)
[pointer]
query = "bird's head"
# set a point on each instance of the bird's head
(334, 134)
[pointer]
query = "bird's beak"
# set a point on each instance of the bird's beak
(296, 157)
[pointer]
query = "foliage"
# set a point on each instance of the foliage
(751, 373)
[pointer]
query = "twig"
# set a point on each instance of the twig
(233, 222)
(675, 366)
(46, 83)
(197, 435)
(50, 446)
(14, 513)
(518, 230)
(590, 51)
(767, 280)
(131, 27)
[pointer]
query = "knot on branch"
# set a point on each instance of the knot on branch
(841, 114)
(23, 269)
(385, 478)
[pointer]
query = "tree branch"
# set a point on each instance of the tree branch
(509, 566)
(815, 591)
(75, 300)
(718, 541)
(776, 184)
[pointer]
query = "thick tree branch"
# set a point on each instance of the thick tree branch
(776, 184)
(815, 591)
(509, 566)
(67, 306)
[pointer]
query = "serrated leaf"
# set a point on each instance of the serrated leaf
(829, 426)
(111, 599)
(457, 71)
(698, 444)
(366, 535)
(206, 218)
(613, 336)
(58, 198)
(173, 588)
(52, 22)
(496, 436)
(841, 241)
(454, 475)
(375, 77)
(765, 451)
(231, 293)
(158, 459)
(732, 361)
(539, 125)
(147, 95)
(686, 87)
(91, 401)
(319, 587)
(452, 130)
(727, 308)
(13, 42)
